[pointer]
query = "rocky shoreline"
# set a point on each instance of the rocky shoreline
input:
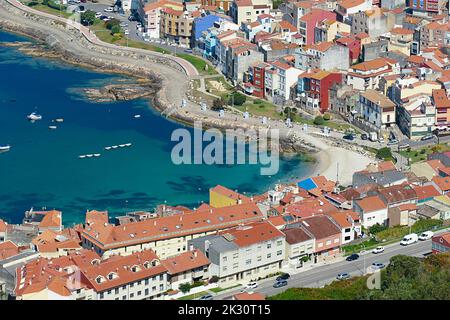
(145, 80)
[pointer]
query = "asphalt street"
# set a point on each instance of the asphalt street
(326, 274)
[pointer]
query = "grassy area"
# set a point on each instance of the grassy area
(399, 232)
(219, 289)
(194, 296)
(44, 8)
(356, 248)
(421, 154)
(198, 63)
(349, 289)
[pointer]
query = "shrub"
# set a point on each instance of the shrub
(319, 120)
(111, 23)
(214, 279)
(257, 101)
(87, 18)
(294, 110)
(423, 151)
(237, 99)
(32, 3)
(377, 228)
(217, 104)
(327, 116)
(185, 287)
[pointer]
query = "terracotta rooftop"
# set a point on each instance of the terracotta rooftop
(185, 261)
(378, 98)
(370, 204)
(249, 234)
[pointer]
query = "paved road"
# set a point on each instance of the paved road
(320, 276)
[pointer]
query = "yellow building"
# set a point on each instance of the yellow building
(401, 40)
(220, 196)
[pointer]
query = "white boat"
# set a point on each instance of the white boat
(5, 148)
(82, 156)
(114, 147)
(89, 155)
(137, 116)
(128, 145)
(59, 120)
(122, 145)
(97, 155)
(52, 127)
(34, 117)
(108, 148)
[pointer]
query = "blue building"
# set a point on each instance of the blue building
(202, 24)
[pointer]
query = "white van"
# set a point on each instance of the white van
(426, 235)
(409, 239)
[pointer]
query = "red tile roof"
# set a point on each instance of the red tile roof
(426, 192)
(185, 261)
(249, 234)
(370, 204)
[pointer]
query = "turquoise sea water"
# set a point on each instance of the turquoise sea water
(43, 170)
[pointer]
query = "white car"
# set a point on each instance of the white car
(378, 250)
(109, 9)
(126, 32)
(98, 14)
(252, 285)
(426, 235)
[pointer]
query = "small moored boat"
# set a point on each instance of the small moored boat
(5, 148)
(114, 147)
(97, 155)
(89, 155)
(128, 145)
(34, 116)
(82, 156)
(52, 127)
(59, 120)
(108, 148)
(122, 145)
(137, 116)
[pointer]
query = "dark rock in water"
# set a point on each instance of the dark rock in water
(121, 92)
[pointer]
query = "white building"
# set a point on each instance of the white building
(372, 210)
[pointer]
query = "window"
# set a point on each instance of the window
(224, 258)
(131, 295)
(132, 285)
(224, 268)
(347, 238)
(161, 287)
(139, 293)
(146, 292)
(248, 261)
(146, 281)
(320, 245)
(269, 255)
(279, 242)
(101, 295)
(328, 242)
(124, 297)
(269, 245)
(279, 252)
(161, 277)
(259, 258)
(336, 240)
(116, 290)
(154, 288)
(235, 265)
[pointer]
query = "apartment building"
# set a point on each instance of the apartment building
(309, 21)
(416, 116)
(248, 10)
(324, 55)
(220, 197)
(225, 5)
(373, 22)
(176, 25)
(244, 253)
(377, 109)
(367, 75)
(435, 34)
(167, 236)
(330, 29)
(442, 103)
(372, 210)
(313, 89)
(43, 220)
(346, 8)
(286, 78)
(151, 15)
(299, 246)
(401, 39)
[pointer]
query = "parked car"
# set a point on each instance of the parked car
(284, 276)
(377, 250)
(206, 297)
(364, 136)
(404, 146)
(252, 285)
(409, 239)
(109, 9)
(352, 257)
(392, 142)
(427, 137)
(381, 140)
(280, 284)
(126, 32)
(426, 235)
(349, 137)
(98, 14)
(188, 50)
(343, 276)
(378, 265)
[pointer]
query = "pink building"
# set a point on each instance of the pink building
(310, 20)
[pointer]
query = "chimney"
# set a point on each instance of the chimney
(195, 254)
(191, 247)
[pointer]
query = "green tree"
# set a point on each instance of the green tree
(111, 23)
(319, 120)
(327, 116)
(377, 228)
(384, 154)
(115, 29)
(87, 18)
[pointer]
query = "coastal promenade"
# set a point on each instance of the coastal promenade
(80, 46)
